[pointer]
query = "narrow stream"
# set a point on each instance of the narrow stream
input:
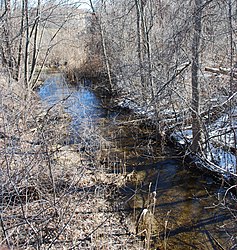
(183, 201)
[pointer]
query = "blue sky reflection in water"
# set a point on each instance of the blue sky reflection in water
(79, 101)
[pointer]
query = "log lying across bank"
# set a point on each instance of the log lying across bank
(223, 71)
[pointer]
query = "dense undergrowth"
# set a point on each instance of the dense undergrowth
(53, 195)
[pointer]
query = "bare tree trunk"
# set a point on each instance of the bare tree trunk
(19, 59)
(144, 19)
(232, 51)
(196, 121)
(104, 48)
(106, 55)
(6, 48)
(139, 42)
(148, 25)
(35, 43)
(27, 44)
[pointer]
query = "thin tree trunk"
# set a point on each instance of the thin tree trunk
(148, 27)
(232, 51)
(35, 42)
(196, 121)
(139, 43)
(8, 59)
(104, 47)
(19, 59)
(27, 45)
(106, 56)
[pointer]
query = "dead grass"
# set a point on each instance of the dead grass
(53, 196)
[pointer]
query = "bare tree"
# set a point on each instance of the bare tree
(6, 45)
(196, 120)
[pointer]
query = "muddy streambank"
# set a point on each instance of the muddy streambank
(151, 200)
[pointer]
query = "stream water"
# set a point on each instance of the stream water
(183, 201)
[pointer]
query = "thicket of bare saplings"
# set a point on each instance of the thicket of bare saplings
(51, 195)
(175, 62)
(39, 36)
(149, 47)
(172, 60)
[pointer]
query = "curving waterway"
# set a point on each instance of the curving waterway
(184, 203)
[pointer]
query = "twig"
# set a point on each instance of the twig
(4, 232)
(88, 235)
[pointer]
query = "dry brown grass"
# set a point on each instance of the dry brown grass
(67, 48)
(53, 196)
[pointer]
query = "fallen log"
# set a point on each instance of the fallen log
(221, 70)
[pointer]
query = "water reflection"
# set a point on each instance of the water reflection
(183, 211)
(79, 101)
